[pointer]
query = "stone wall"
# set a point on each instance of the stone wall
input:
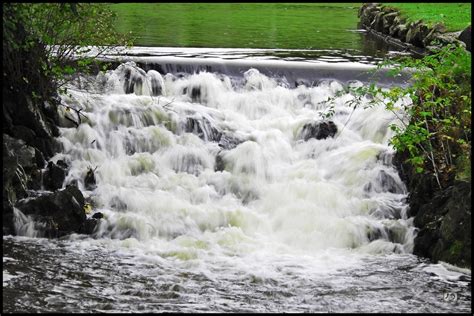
(388, 24)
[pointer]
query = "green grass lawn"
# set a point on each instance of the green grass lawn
(455, 16)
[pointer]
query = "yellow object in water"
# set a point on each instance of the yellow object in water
(87, 208)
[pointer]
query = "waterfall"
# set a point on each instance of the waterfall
(217, 163)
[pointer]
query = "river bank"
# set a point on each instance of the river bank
(442, 214)
(390, 25)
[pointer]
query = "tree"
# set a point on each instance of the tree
(55, 34)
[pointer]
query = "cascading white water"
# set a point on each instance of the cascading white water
(216, 197)
(207, 165)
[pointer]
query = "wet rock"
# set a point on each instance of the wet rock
(191, 163)
(54, 176)
(17, 150)
(435, 31)
(466, 37)
(318, 130)
(377, 23)
(385, 157)
(445, 226)
(402, 31)
(117, 204)
(65, 208)
(375, 233)
(203, 128)
(128, 86)
(90, 226)
(416, 34)
(23, 133)
(35, 180)
(98, 215)
(455, 229)
(220, 164)
(386, 183)
(39, 157)
(133, 78)
(7, 218)
(367, 14)
(387, 21)
(229, 142)
(89, 180)
(446, 38)
(302, 82)
(19, 160)
(156, 88)
(196, 94)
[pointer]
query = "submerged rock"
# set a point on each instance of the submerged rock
(318, 130)
(385, 182)
(203, 128)
(220, 163)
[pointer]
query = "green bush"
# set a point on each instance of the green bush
(437, 138)
(49, 35)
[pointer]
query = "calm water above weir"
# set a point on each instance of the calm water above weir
(322, 26)
(214, 196)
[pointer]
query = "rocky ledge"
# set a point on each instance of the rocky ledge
(442, 216)
(387, 23)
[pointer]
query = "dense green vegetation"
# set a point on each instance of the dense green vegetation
(437, 139)
(47, 35)
(242, 25)
(455, 16)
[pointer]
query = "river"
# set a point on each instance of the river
(215, 198)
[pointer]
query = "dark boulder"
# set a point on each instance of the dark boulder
(24, 133)
(54, 175)
(367, 14)
(7, 218)
(387, 21)
(377, 23)
(401, 32)
(465, 37)
(19, 160)
(416, 34)
(318, 130)
(454, 245)
(64, 208)
(17, 150)
(98, 215)
(89, 180)
(445, 226)
(90, 226)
